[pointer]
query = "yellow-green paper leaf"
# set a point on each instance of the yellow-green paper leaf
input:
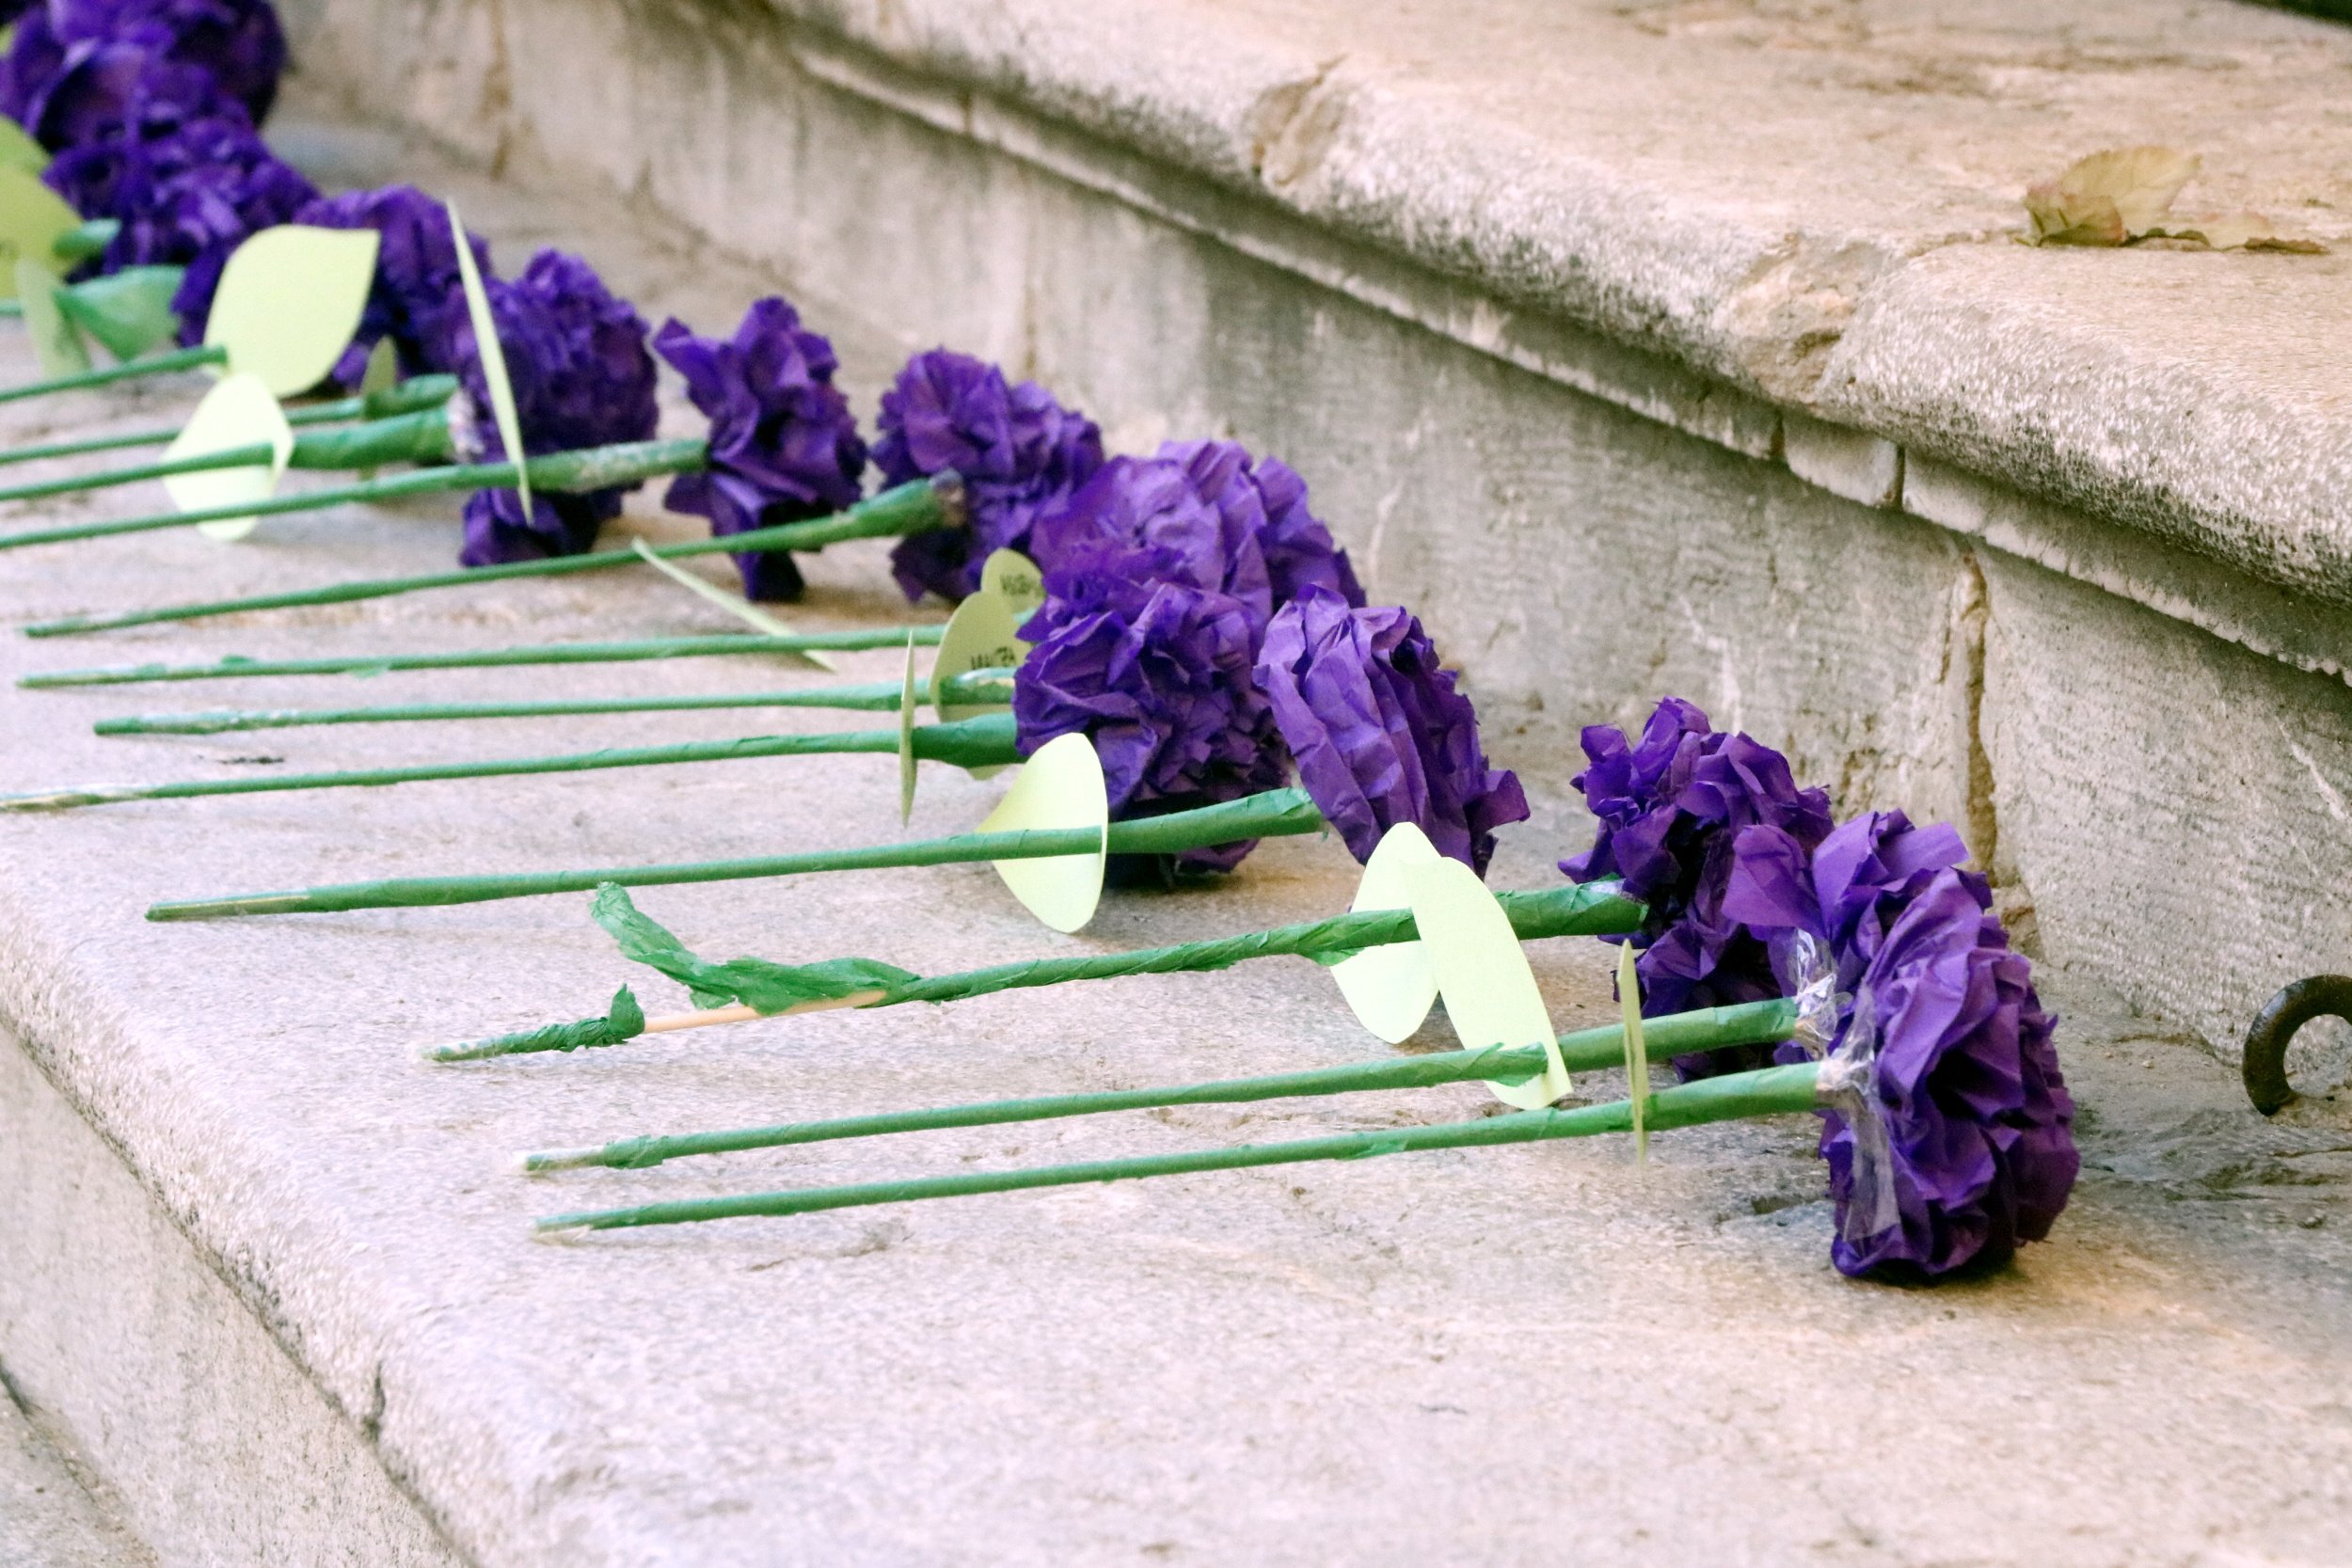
(1390, 988)
(493, 357)
(31, 217)
(289, 301)
(237, 412)
(979, 636)
(1061, 786)
(55, 343)
(1014, 578)
(19, 150)
(1489, 991)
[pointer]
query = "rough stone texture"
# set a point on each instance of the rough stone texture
(1813, 203)
(215, 1445)
(1534, 1354)
(47, 1518)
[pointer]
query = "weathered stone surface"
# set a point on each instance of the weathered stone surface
(1531, 1355)
(1814, 205)
(47, 1520)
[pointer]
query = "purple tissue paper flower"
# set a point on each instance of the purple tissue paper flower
(1980, 1148)
(72, 67)
(1379, 734)
(1016, 449)
(1156, 505)
(417, 300)
(187, 198)
(1670, 807)
(783, 445)
(1269, 499)
(577, 359)
(1156, 670)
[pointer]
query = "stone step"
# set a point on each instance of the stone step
(270, 1278)
(1642, 349)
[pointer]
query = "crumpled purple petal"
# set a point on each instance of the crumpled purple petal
(417, 299)
(1156, 670)
(783, 445)
(1978, 1117)
(76, 70)
(1266, 499)
(187, 200)
(576, 358)
(1670, 806)
(1017, 449)
(1378, 731)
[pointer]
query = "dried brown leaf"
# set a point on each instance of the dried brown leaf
(2240, 231)
(2108, 197)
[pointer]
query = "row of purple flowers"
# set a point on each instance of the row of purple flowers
(1200, 625)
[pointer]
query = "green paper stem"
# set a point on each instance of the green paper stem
(1586, 1050)
(411, 396)
(1772, 1091)
(157, 364)
(722, 645)
(591, 469)
(914, 508)
(418, 437)
(985, 741)
(1595, 908)
(1274, 814)
(976, 689)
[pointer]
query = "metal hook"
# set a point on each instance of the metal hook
(2265, 1069)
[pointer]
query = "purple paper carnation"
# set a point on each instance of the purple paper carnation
(1266, 499)
(1156, 671)
(1155, 505)
(1016, 450)
(78, 70)
(783, 445)
(417, 299)
(1378, 732)
(1670, 807)
(1977, 1153)
(576, 358)
(187, 198)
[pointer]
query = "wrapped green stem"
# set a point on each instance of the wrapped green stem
(154, 364)
(1273, 814)
(975, 689)
(418, 437)
(907, 509)
(410, 396)
(592, 469)
(1595, 908)
(1584, 1051)
(1773, 1091)
(985, 741)
(722, 645)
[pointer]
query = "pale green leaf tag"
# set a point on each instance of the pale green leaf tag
(734, 603)
(908, 703)
(290, 300)
(493, 355)
(32, 216)
(1014, 578)
(237, 412)
(1489, 991)
(1390, 988)
(1636, 1050)
(129, 311)
(383, 369)
(55, 343)
(19, 150)
(979, 636)
(1061, 786)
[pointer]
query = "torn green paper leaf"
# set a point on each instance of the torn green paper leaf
(755, 983)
